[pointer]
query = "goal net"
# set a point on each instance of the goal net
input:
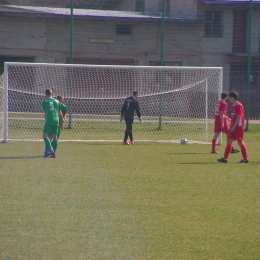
(175, 102)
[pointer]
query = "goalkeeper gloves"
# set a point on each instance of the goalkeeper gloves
(140, 119)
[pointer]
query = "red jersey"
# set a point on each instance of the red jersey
(221, 106)
(237, 110)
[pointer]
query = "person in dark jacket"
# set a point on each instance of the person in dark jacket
(128, 109)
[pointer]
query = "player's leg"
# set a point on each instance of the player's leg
(55, 138)
(228, 148)
(55, 143)
(243, 151)
(128, 130)
(232, 149)
(231, 137)
(46, 131)
(227, 152)
(217, 131)
(50, 137)
(214, 143)
(47, 141)
(130, 127)
(240, 140)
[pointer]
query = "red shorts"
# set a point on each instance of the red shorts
(217, 128)
(238, 134)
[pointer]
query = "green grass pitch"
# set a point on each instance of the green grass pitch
(146, 201)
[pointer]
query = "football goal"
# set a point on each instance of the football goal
(175, 102)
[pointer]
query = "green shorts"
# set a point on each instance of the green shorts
(58, 135)
(51, 129)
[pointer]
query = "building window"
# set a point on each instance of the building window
(4, 59)
(124, 29)
(239, 31)
(139, 5)
(213, 24)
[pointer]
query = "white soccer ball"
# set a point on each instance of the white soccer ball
(184, 141)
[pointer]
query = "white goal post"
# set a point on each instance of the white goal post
(175, 102)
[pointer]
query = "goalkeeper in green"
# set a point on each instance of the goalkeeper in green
(53, 122)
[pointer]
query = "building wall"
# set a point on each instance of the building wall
(255, 31)
(214, 48)
(49, 40)
(126, 5)
(151, 6)
(22, 36)
(183, 8)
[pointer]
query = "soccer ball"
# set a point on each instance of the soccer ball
(184, 141)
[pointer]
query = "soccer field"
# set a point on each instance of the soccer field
(89, 128)
(146, 201)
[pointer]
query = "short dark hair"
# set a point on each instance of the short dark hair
(224, 95)
(60, 97)
(48, 92)
(233, 94)
(135, 92)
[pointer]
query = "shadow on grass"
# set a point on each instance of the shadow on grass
(186, 153)
(215, 162)
(197, 163)
(21, 157)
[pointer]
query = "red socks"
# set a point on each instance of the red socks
(214, 143)
(244, 151)
(227, 151)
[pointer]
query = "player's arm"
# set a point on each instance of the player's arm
(64, 113)
(123, 109)
(137, 108)
(235, 124)
(60, 113)
(61, 120)
(44, 110)
(221, 116)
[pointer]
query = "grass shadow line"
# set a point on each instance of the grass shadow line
(185, 153)
(197, 163)
(20, 157)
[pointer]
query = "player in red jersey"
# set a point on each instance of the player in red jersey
(236, 131)
(221, 122)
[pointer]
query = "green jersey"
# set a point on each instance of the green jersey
(63, 109)
(52, 107)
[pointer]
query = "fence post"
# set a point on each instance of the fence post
(249, 65)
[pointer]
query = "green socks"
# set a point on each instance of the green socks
(54, 144)
(47, 144)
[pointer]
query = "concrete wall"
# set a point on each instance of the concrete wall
(151, 6)
(49, 40)
(22, 36)
(255, 31)
(214, 48)
(126, 5)
(183, 8)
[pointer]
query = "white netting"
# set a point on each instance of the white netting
(179, 101)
